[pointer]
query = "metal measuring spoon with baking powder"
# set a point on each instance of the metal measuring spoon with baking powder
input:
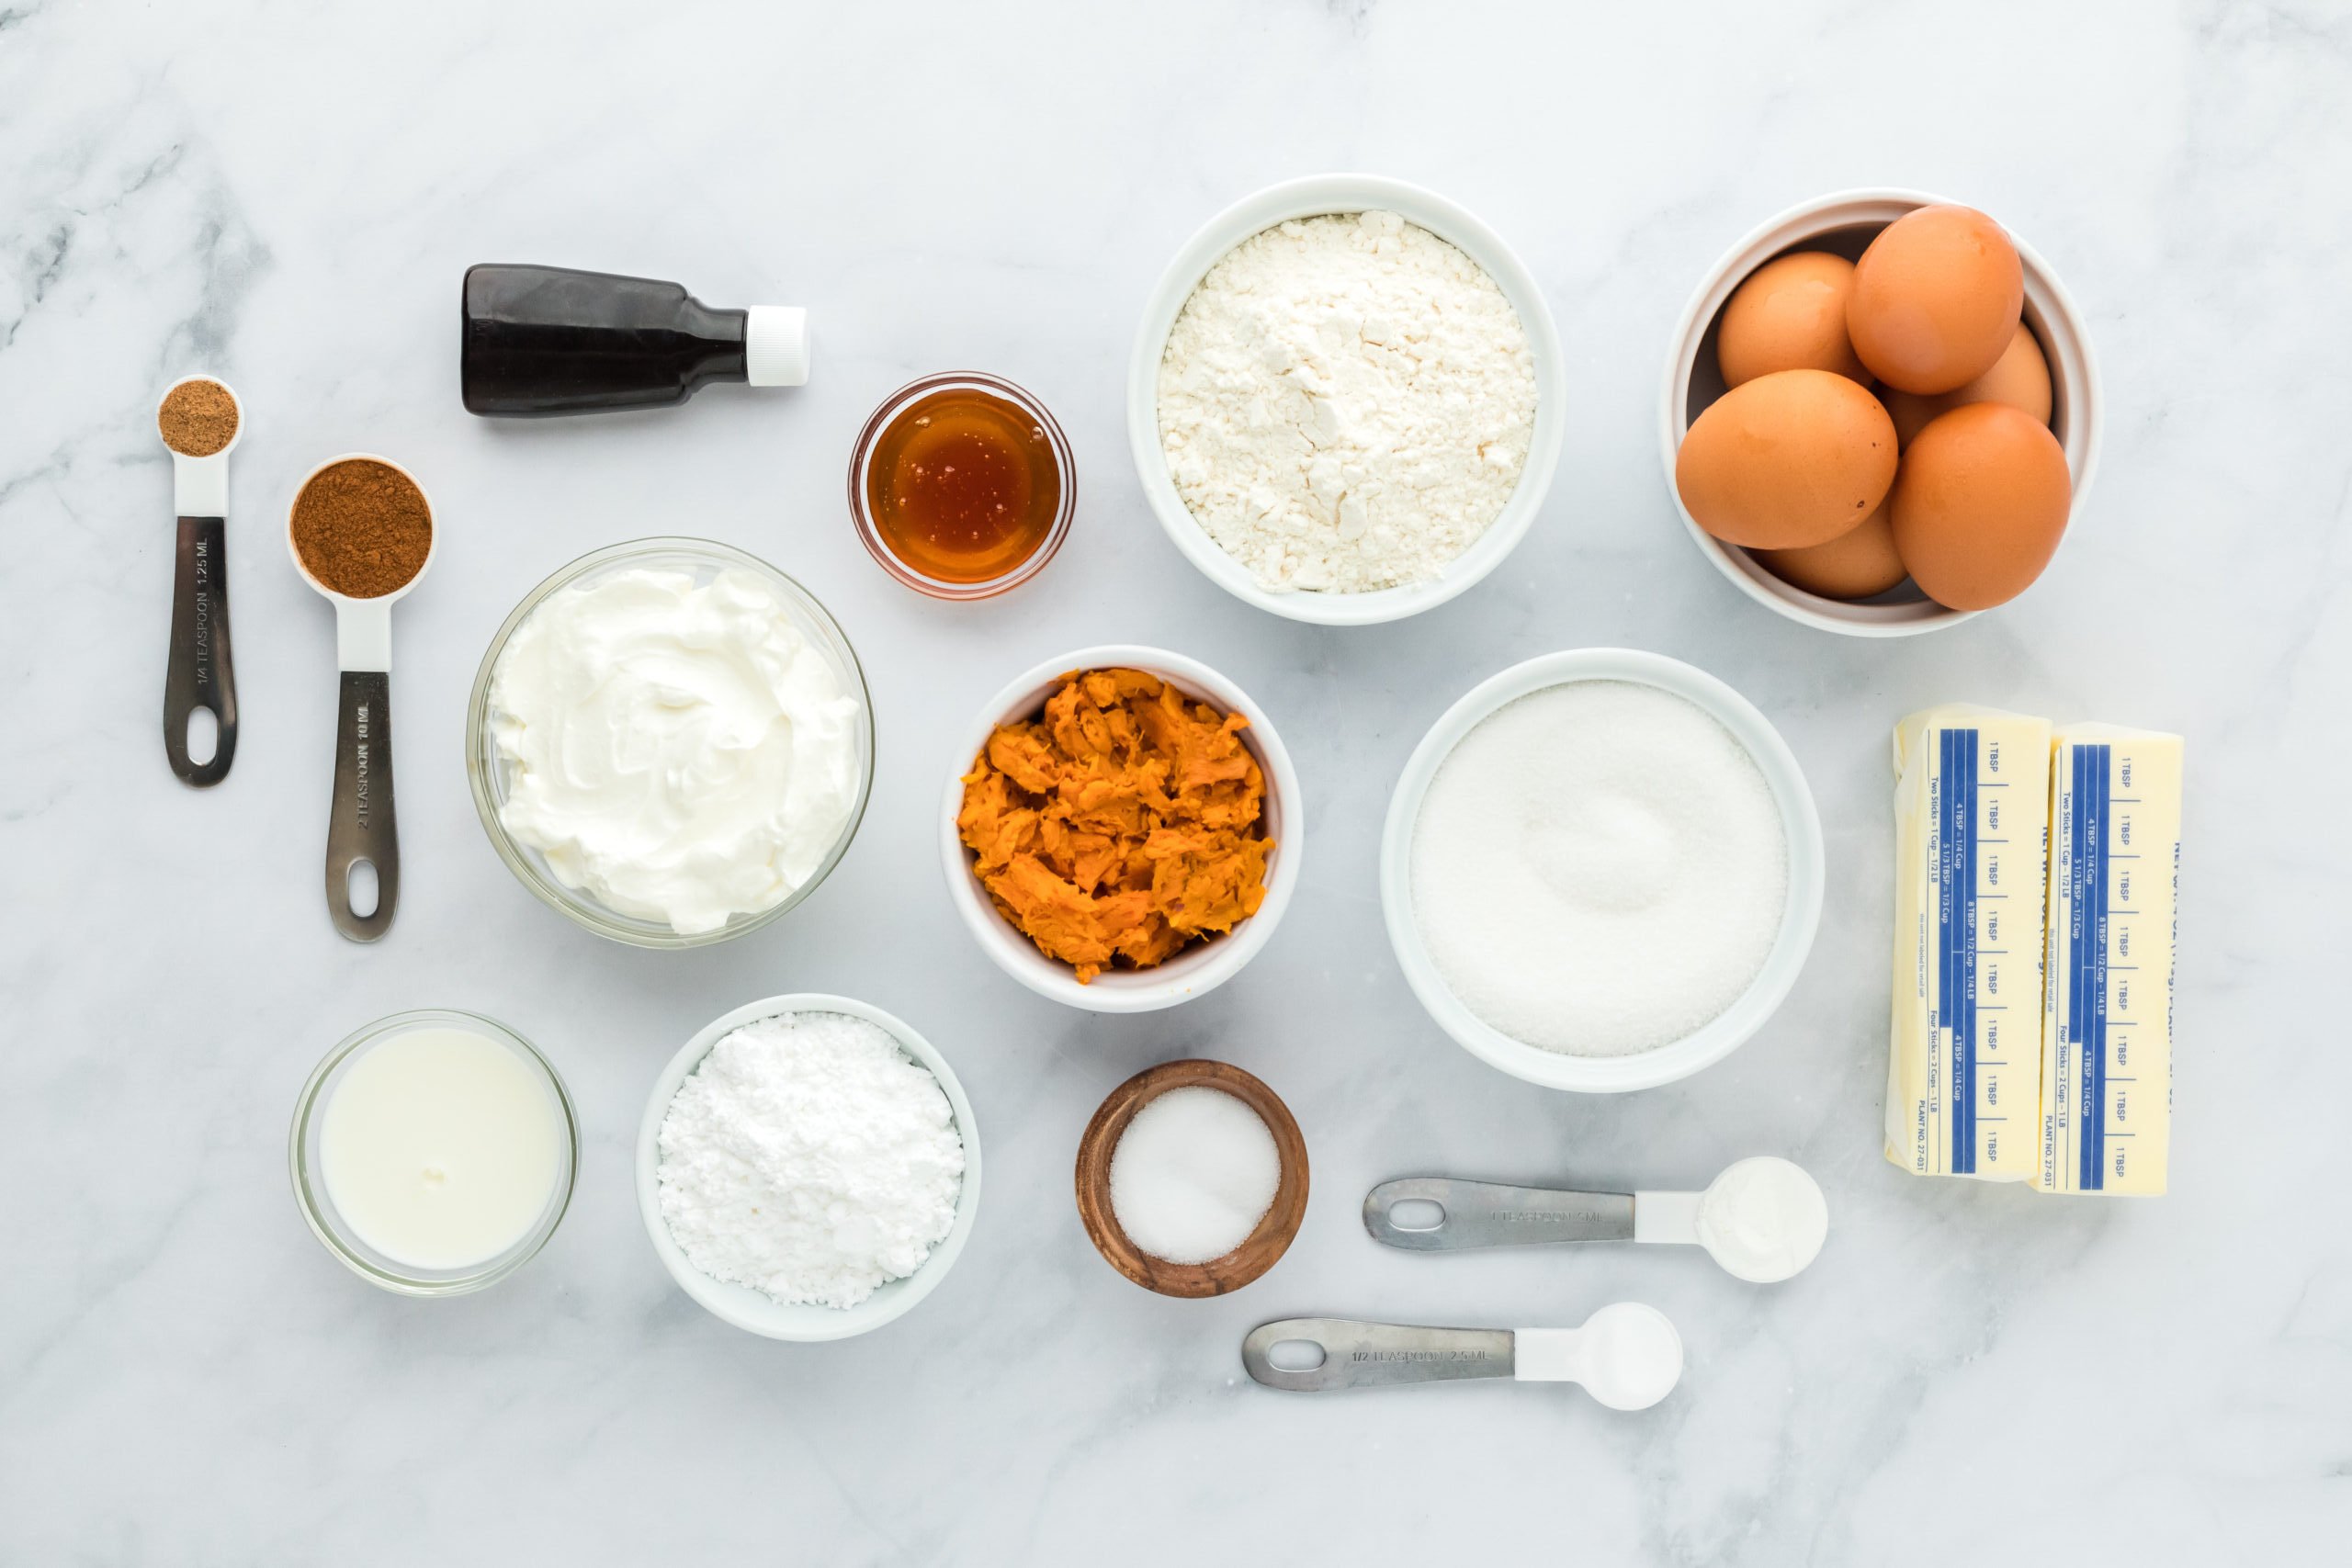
(1627, 1356)
(197, 679)
(363, 836)
(1763, 1219)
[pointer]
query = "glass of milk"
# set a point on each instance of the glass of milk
(433, 1152)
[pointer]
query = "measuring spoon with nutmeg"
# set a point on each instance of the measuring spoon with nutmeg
(201, 421)
(354, 532)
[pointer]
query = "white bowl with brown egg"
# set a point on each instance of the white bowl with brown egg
(1843, 225)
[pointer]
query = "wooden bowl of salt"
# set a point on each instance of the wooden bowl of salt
(1265, 1244)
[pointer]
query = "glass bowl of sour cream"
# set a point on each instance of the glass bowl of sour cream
(671, 742)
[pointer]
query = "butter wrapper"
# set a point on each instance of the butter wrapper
(2113, 924)
(1964, 1064)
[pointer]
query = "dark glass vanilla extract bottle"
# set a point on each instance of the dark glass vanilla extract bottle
(551, 340)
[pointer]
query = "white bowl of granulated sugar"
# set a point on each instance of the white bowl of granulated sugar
(1335, 418)
(858, 1201)
(1602, 870)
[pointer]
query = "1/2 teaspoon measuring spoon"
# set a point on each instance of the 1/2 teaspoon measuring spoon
(1627, 1356)
(1764, 1220)
(362, 830)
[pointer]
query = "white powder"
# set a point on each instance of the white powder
(1632, 1358)
(1598, 868)
(1346, 402)
(1192, 1174)
(1763, 1219)
(810, 1159)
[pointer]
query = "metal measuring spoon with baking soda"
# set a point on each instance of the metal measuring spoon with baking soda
(1627, 1356)
(362, 534)
(200, 420)
(1764, 1220)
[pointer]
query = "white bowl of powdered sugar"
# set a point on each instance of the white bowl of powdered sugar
(807, 1167)
(1346, 399)
(1602, 870)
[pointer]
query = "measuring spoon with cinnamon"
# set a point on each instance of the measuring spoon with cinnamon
(361, 532)
(200, 420)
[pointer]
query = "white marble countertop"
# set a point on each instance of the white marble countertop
(285, 195)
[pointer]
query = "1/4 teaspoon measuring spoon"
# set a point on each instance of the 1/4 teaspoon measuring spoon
(1627, 1356)
(362, 830)
(198, 678)
(1764, 1220)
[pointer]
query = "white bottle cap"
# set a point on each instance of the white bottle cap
(775, 346)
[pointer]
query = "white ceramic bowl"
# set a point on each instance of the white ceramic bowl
(1308, 197)
(1798, 917)
(1198, 969)
(1845, 223)
(742, 1305)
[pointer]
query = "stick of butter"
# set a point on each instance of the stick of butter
(1972, 809)
(2106, 1030)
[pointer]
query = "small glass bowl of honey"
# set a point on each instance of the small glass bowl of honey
(962, 486)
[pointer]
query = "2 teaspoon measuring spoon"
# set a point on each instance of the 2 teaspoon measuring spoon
(1627, 1356)
(198, 678)
(1763, 1219)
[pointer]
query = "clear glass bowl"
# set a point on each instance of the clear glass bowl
(861, 459)
(488, 772)
(327, 1223)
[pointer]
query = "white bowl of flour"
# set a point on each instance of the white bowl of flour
(1327, 504)
(1602, 870)
(871, 1164)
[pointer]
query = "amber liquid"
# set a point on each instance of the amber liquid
(963, 486)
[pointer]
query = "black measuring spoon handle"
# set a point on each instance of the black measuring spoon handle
(362, 828)
(200, 675)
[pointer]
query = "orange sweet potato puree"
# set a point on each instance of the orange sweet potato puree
(1121, 825)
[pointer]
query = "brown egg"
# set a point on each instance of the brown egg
(1789, 459)
(1980, 505)
(1856, 564)
(2021, 378)
(1936, 299)
(1789, 315)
